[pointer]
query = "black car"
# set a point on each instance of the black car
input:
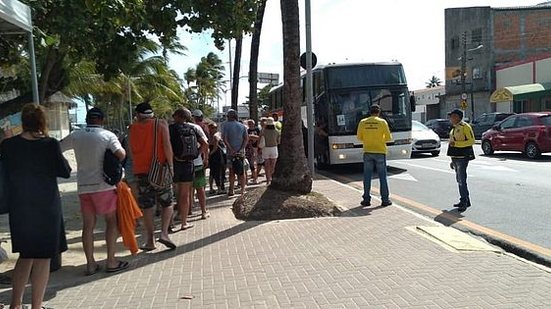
(485, 122)
(442, 127)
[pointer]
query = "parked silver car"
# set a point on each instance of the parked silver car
(424, 140)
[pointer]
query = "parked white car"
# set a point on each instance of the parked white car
(424, 140)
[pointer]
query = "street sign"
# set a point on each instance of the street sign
(464, 105)
(268, 78)
(303, 60)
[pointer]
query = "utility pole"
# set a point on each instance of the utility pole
(309, 88)
(464, 62)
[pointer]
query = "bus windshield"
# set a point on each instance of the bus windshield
(347, 108)
(365, 75)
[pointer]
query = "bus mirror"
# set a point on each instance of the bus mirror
(412, 102)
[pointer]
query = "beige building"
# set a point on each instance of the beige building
(523, 86)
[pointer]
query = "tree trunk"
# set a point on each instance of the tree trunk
(253, 67)
(53, 78)
(292, 173)
(236, 69)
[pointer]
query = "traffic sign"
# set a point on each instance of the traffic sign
(463, 104)
(303, 60)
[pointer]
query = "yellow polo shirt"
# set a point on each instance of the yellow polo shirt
(374, 133)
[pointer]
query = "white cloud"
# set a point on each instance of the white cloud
(411, 32)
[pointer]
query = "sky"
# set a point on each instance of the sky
(411, 32)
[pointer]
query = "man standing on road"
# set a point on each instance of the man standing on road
(374, 133)
(460, 149)
(96, 196)
(235, 138)
(142, 136)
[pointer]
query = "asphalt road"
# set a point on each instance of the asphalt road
(509, 193)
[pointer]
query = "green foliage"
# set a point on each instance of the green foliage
(433, 82)
(227, 19)
(207, 81)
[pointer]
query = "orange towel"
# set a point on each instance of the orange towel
(127, 213)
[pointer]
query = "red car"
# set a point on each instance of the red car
(529, 133)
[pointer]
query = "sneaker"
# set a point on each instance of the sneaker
(222, 191)
(386, 203)
(461, 204)
(365, 203)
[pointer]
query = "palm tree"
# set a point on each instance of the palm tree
(253, 66)
(292, 173)
(433, 82)
(207, 79)
(236, 70)
(148, 78)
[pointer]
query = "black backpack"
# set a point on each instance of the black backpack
(187, 138)
(112, 168)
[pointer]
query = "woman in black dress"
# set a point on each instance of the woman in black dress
(33, 161)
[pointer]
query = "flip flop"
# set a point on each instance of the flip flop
(167, 243)
(121, 266)
(93, 271)
(185, 227)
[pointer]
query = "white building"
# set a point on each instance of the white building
(427, 103)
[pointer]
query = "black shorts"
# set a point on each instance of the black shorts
(183, 171)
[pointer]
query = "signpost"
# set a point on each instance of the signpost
(268, 78)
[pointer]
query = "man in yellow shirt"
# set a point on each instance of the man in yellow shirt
(374, 133)
(460, 149)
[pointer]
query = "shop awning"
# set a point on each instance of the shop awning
(521, 92)
(16, 18)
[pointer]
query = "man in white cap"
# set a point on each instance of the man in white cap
(142, 136)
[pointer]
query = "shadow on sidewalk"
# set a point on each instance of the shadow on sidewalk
(361, 212)
(449, 217)
(71, 275)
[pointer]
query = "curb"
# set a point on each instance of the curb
(518, 247)
(508, 243)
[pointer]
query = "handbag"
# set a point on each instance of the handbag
(4, 199)
(262, 142)
(159, 173)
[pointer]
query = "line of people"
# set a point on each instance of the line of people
(188, 146)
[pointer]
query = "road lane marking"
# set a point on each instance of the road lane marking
(403, 176)
(425, 167)
(458, 221)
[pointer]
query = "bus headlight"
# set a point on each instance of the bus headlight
(343, 146)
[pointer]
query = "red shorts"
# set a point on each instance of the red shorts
(100, 203)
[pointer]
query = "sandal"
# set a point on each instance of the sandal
(205, 215)
(187, 226)
(167, 243)
(121, 266)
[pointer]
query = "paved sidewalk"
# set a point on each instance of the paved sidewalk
(364, 259)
